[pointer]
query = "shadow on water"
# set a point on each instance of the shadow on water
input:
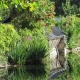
(25, 73)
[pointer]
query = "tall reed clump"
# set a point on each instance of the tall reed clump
(70, 8)
(18, 54)
(31, 49)
(36, 50)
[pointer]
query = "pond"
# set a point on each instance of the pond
(39, 72)
(24, 73)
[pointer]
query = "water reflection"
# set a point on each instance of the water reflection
(25, 73)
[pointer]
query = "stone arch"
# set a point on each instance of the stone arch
(61, 52)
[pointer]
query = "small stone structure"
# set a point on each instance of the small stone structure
(57, 43)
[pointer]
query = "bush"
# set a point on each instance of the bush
(70, 9)
(8, 38)
(67, 7)
(32, 49)
(71, 27)
(41, 15)
(36, 50)
(18, 54)
(74, 66)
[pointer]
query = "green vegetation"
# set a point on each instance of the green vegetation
(72, 72)
(71, 27)
(67, 7)
(8, 38)
(24, 41)
(74, 66)
(32, 49)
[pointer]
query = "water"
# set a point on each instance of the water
(24, 73)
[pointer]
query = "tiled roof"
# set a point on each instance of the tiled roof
(56, 33)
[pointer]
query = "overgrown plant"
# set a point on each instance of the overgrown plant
(70, 9)
(36, 50)
(31, 50)
(40, 16)
(18, 54)
(71, 26)
(8, 38)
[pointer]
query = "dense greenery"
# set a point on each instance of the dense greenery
(32, 21)
(8, 38)
(24, 41)
(42, 16)
(74, 66)
(71, 27)
(31, 14)
(67, 7)
(31, 50)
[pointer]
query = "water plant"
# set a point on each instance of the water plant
(37, 50)
(32, 48)
(18, 54)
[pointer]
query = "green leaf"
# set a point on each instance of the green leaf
(5, 6)
(0, 18)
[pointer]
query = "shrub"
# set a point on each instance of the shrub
(36, 50)
(67, 7)
(70, 9)
(32, 49)
(73, 70)
(18, 54)
(71, 27)
(41, 15)
(74, 66)
(8, 37)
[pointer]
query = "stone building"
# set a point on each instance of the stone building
(57, 44)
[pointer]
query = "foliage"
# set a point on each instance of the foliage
(74, 66)
(71, 27)
(41, 16)
(8, 37)
(63, 7)
(29, 13)
(36, 50)
(18, 54)
(70, 9)
(31, 49)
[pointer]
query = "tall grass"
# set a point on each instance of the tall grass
(31, 49)
(36, 50)
(18, 54)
